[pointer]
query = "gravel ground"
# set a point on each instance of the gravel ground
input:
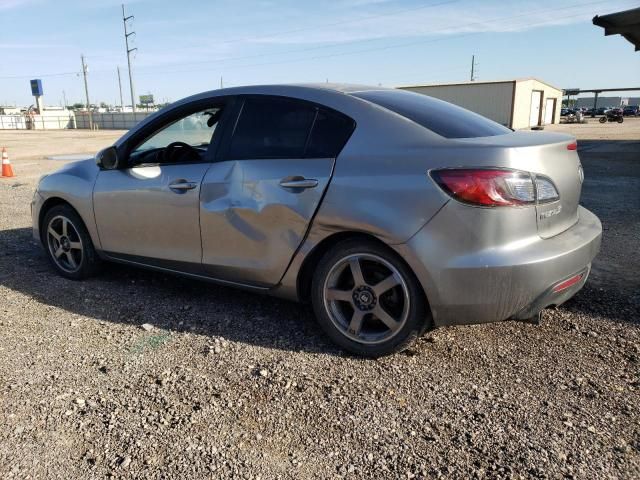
(141, 375)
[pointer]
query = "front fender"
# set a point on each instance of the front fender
(73, 183)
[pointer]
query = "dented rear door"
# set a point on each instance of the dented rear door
(253, 217)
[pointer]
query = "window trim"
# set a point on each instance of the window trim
(223, 152)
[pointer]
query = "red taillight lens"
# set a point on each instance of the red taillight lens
(487, 187)
(572, 146)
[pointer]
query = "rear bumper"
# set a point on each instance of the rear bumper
(552, 296)
(512, 280)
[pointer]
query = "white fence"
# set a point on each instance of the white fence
(101, 121)
(111, 121)
(13, 122)
(36, 122)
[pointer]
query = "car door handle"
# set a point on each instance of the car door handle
(298, 182)
(181, 186)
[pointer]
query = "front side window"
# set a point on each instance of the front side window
(272, 128)
(182, 140)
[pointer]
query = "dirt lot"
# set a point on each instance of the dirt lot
(230, 384)
(593, 130)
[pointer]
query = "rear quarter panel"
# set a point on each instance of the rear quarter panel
(380, 183)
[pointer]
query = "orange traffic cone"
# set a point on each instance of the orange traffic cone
(7, 170)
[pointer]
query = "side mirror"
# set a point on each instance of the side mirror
(107, 159)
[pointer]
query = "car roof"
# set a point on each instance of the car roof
(335, 87)
(285, 89)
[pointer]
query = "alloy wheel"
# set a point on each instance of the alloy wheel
(366, 298)
(65, 244)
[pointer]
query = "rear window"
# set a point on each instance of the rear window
(443, 118)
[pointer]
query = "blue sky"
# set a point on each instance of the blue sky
(184, 47)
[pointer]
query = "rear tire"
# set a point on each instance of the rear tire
(368, 300)
(68, 244)
(603, 120)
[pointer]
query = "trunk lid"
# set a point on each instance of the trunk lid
(543, 154)
(563, 167)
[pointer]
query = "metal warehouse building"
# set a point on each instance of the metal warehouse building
(520, 103)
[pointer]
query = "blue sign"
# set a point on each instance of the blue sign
(36, 87)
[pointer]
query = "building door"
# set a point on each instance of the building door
(536, 107)
(549, 111)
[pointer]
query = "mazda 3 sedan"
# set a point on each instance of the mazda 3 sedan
(390, 212)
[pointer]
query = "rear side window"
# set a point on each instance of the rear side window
(272, 128)
(275, 127)
(330, 132)
(443, 118)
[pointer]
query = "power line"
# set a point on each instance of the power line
(323, 25)
(415, 42)
(40, 76)
(368, 50)
(286, 32)
(400, 45)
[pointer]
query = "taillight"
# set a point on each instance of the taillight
(572, 146)
(546, 190)
(489, 188)
(495, 187)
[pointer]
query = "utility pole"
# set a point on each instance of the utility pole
(64, 98)
(127, 34)
(221, 86)
(86, 91)
(120, 86)
(473, 66)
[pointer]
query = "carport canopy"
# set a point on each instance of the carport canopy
(626, 23)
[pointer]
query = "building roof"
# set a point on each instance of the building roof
(524, 79)
(626, 23)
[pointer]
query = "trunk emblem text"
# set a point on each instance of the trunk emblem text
(551, 213)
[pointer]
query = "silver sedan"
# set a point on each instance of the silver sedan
(389, 211)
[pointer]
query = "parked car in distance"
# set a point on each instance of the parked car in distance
(602, 110)
(389, 211)
(631, 111)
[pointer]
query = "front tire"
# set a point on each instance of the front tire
(367, 299)
(68, 244)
